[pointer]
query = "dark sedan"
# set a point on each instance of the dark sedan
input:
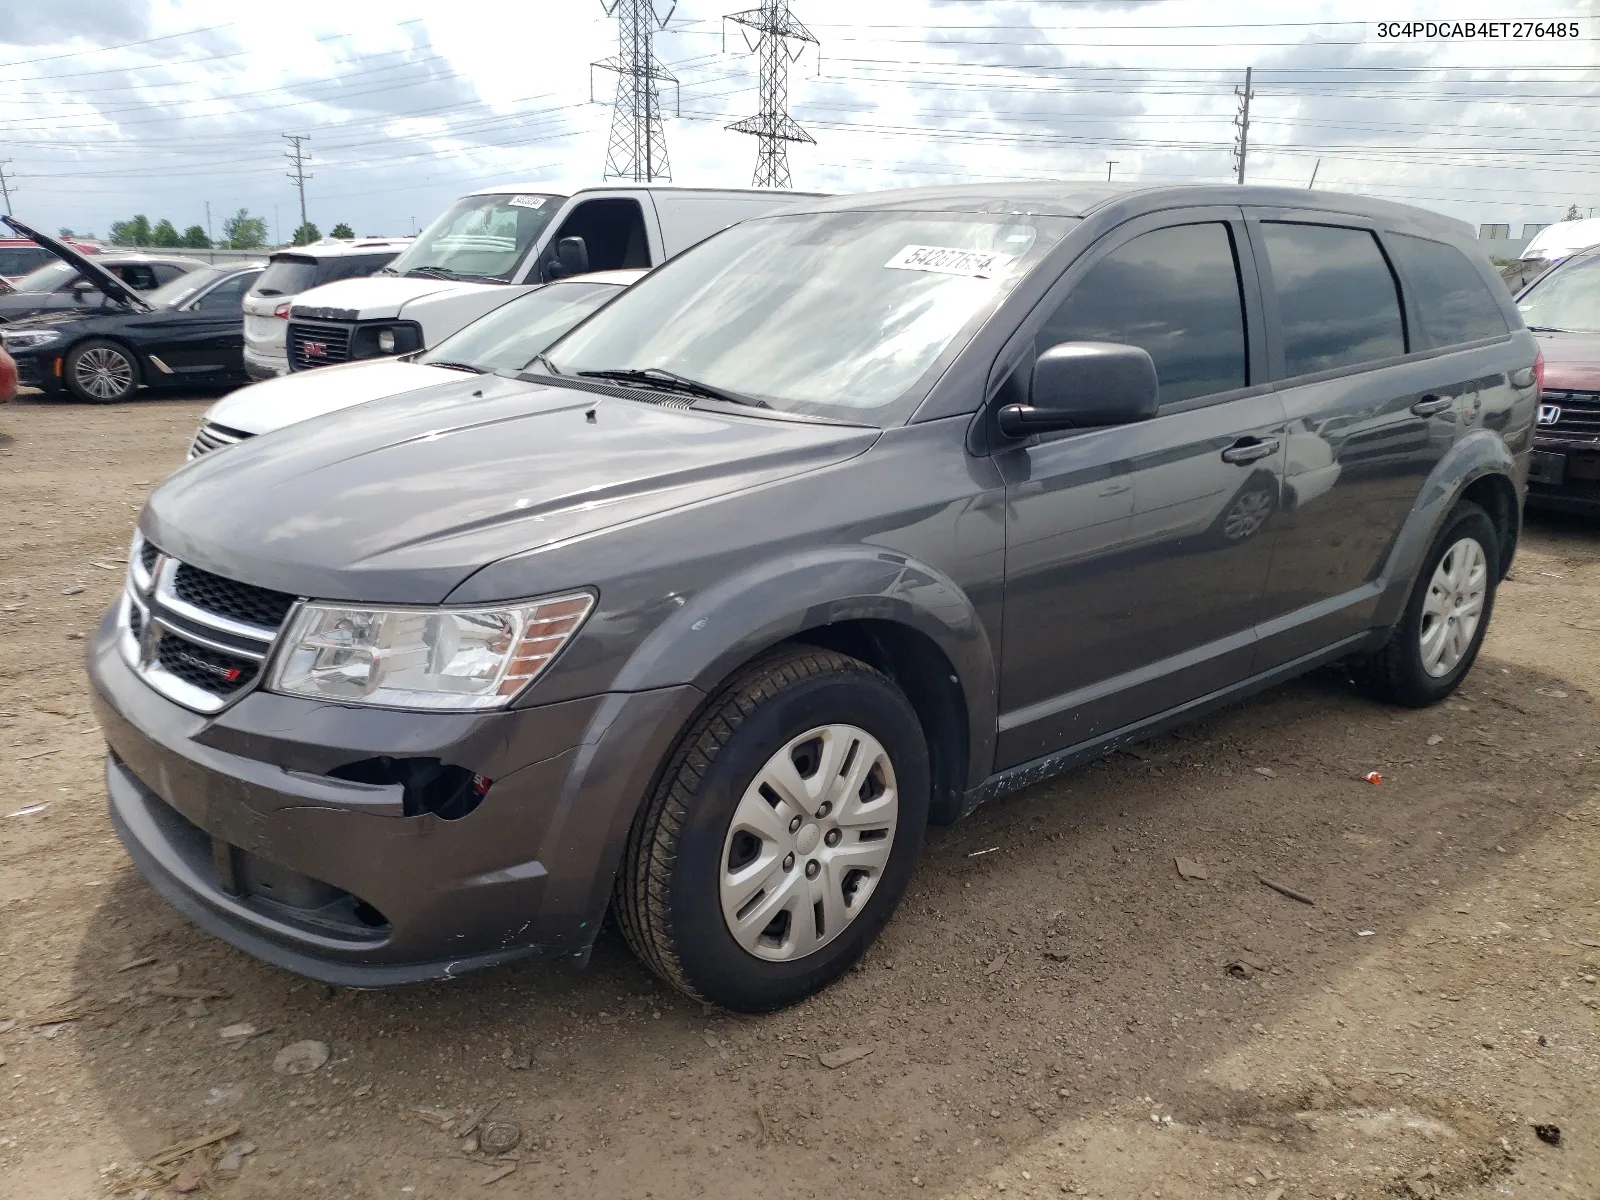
(59, 286)
(187, 332)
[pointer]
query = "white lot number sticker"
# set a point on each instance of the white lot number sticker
(946, 260)
(526, 201)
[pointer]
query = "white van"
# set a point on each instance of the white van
(517, 234)
(290, 272)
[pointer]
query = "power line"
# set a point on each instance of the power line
(638, 146)
(297, 172)
(166, 37)
(782, 39)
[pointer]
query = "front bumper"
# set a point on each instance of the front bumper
(235, 820)
(1565, 475)
(38, 370)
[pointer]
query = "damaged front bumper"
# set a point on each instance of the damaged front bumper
(306, 833)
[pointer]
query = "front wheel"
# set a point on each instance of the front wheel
(1437, 641)
(101, 372)
(781, 835)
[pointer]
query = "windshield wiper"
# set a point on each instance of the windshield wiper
(666, 381)
(436, 273)
(454, 366)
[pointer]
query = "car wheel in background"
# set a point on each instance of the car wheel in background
(781, 834)
(101, 372)
(1436, 642)
(1248, 512)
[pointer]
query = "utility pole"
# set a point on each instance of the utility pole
(1110, 162)
(297, 158)
(5, 184)
(1241, 143)
(780, 40)
(638, 147)
(1314, 171)
(209, 238)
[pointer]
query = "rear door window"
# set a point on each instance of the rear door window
(1174, 293)
(1338, 301)
(227, 296)
(1452, 301)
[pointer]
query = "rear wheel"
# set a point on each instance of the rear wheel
(782, 834)
(101, 372)
(1437, 641)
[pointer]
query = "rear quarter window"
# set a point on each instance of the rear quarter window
(1453, 302)
(1338, 303)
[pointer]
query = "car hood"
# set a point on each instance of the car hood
(373, 297)
(87, 267)
(1571, 360)
(400, 502)
(274, 403)
(59, 318)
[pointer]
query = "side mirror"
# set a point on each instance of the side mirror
(572, 258)
(83, 288)
(1079, 385)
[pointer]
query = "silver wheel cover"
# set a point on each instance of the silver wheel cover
(1248, 514)
(808, 842)
(103, 372)
(1453, 606)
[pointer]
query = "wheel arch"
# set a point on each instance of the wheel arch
(1480, 467)
(899, 615)
(141, 365)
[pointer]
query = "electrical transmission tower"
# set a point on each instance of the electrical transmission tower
(1241, 141)
(780, 40)
(297, 158)
(638, 146)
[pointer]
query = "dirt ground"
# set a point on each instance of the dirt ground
(1051, 1012)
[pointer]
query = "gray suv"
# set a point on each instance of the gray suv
(845, 521)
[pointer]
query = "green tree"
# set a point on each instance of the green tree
(341, 230)
(307, 234)
(131, 233)
(244, 232)
(194, 238)
(1572, 213)
(67, 233)
(165, 234)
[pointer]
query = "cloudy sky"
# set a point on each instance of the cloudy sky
(115, 107)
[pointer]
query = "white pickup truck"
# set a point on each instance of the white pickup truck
(527, 234)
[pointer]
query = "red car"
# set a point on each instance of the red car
(8, 377)
(1562, 308)
(18, 256)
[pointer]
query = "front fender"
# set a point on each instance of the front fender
(718, 630)
(1478, 454)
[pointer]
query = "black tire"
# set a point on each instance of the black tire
(117, 378)
(1396, 673)
(667, 896)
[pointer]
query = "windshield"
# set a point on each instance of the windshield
(478, 237)
(47, 278)
(1566, 298)
(170, 295)
(842, 315)
(286, 277)
(507, 339)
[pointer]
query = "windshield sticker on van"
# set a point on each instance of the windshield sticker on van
(946, 260)
(527, 201)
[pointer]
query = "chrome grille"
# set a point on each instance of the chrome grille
(317, 344)
(1576, 413)
(197, 638)
(211, 437)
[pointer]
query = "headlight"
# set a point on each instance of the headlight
(28, 339)
(435, 658)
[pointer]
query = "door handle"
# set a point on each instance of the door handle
(1429, 405)
(1249, 449)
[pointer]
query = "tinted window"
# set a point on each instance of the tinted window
(1336, 297)
(1452, 300)
(19, 260)
(353, 266)
(167, 272)
(135, 275)
(227, 296)
(1173, 292)
(286, 277)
